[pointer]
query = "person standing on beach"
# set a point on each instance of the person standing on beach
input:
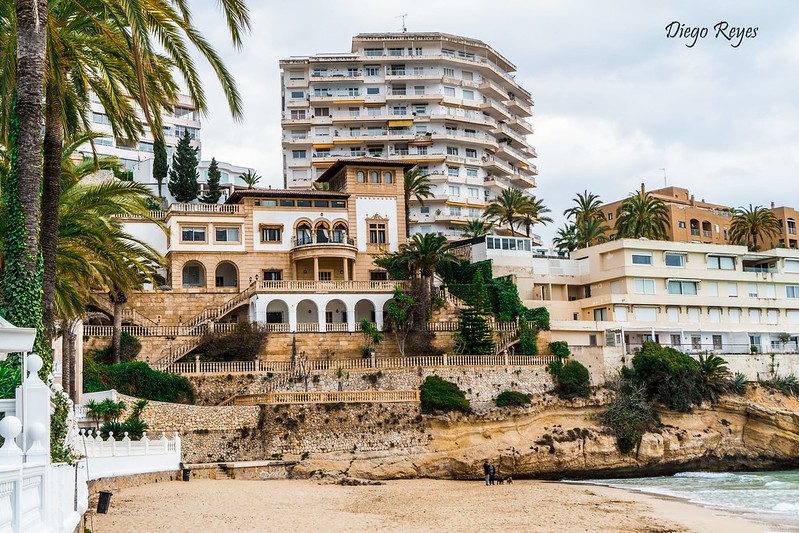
(487, 472)
(492, 471)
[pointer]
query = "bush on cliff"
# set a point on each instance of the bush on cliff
(136, 379)
(572, 380)
(629, 417)
(437, 394)
(129, 348)
(510, 398)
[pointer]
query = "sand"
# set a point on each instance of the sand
(412, 505)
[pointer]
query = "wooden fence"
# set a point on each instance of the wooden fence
(372, 396)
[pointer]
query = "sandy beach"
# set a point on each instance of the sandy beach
(412, 505)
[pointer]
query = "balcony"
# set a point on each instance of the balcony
(491, 89)
(310, 246)
(328, 286)
(521, 125)
(497, 165)
(224, 209)
(518, 107)
(495, 110)
(512, 153)
(337, 75)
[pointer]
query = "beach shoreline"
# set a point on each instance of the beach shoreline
(406, 505)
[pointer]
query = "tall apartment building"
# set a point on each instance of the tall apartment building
(449, 104)
(693, 220)
(131, 154)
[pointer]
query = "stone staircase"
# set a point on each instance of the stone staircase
(275, 382)
(170, 354)
(208, 315)
(129, 314)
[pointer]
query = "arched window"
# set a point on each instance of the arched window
(226, 275)
(388, 177)
(374, 176)
(361, 176)
(193, 274)
(304, 233)
(339, 233)
(322, 232)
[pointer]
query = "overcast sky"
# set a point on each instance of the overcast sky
(615, 99)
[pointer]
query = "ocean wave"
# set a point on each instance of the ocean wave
(785, 507)
(706, 475)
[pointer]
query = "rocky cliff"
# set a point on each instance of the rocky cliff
(556, 439)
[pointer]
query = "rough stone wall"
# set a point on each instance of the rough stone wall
(481, 384)
(337, 345)
(151, 347)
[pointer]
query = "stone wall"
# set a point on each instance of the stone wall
(151, 347)
(481, 384)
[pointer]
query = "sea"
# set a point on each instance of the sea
(768, 497)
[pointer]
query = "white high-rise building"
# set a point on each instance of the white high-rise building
(448, 103)
(131, 154)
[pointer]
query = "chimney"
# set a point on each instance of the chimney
(693, 202)
(772, 205)
(643, 189)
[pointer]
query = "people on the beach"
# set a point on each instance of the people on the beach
(492, 472)
(487, 472)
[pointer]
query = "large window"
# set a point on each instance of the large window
(644, 286)
(377, 233)
(675, 259)
(719, 262)
(682, 287)
(226, 234)
(271, 233)
(792, 291)
(193, 275)
(192, 234)
(642, 259)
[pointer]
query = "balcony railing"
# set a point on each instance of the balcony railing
(315, 286)
(313, 240)
(694, 231)
(706, 233)
(204, 208)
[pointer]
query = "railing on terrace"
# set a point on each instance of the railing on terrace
(205, 208)
(93, 445)
(367, 363)
(300, 285)
(314, 240)
(726, 348)
(151, 215)
(388, 396)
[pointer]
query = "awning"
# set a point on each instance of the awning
(347, 102)
(322, 146)
(374, 104)
(346, 142)
(398, 123)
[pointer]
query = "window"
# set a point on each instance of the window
(361, 176)
(714, 314)
(420, 109)
(792, 291)
(791, 265)
(732, 289)
(321, 111)
(449, 91)
(770, 291)
(642, 259)
(388, 177)
(610, 216)
(321, 203)
(297, 114)
(675, 260)
(303, 203)
(644, 286)
(454, 190)
(712, 288)
(752, 290)
(719, 262)
(471, 152)
(696, 342)
(298, 94)
(454, 211)
(286, 203)
(373, 51)
(378, 275)
(273, 275)
(377, 233)
(673, 314)
(425, 210)
(452, 150)
(192, 234)
(471, 172)
(645, 314)
(299, 154)
(682, 287)
(194, 133)
(338, 204)
(453, 171)
(754, 316)
(735, 315)
(145, 147)
(474, 192)
(600, 314)
(373, 90)
(372, 70)
(681, 224)
(192, 275)
(449, 72)
(226, 234)
(395, 51)
(676, 340)
(271, 233)
(374, 176)
(100, 118)
(468, 95)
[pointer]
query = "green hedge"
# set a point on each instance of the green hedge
(137, 379)
(512, 398)
(437, 394)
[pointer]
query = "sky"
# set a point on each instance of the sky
(616, 100)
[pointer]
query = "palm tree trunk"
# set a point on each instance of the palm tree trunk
(116, 339)
(51, 191)
(407, 218)
(527, 229)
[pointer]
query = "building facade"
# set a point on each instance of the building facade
(693, 296)
(448, 104)
(297, 260)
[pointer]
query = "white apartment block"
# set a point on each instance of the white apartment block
(131, 154)
(694, 297)
(447, 103)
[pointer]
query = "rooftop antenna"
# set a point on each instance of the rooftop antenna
(404, 28)
(665, 184)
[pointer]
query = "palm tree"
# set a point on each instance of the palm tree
(250, 178)
(21, 282)
(587, 209)
(506, 207)
(476, 228)
(423, 253)
(642, 215)
(592, 233)
(532, 212)
(566, 238)
(417, 185)
(752, 225)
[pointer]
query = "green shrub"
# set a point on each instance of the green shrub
(10, 379)
(137, 379)
(129, 348)
(560, 348)
(474, 336)
(738, 383)
(538, 315)
(243, 343)
(629, 417)
(788, 385)
(573, 380)
(528, 339)
(437, 394)
(510, 398)
(668, 376)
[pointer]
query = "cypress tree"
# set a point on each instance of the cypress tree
(183, 176)
(528, 343)
(214, 192)
(480, 299)
(474, 335)
(160, 167)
